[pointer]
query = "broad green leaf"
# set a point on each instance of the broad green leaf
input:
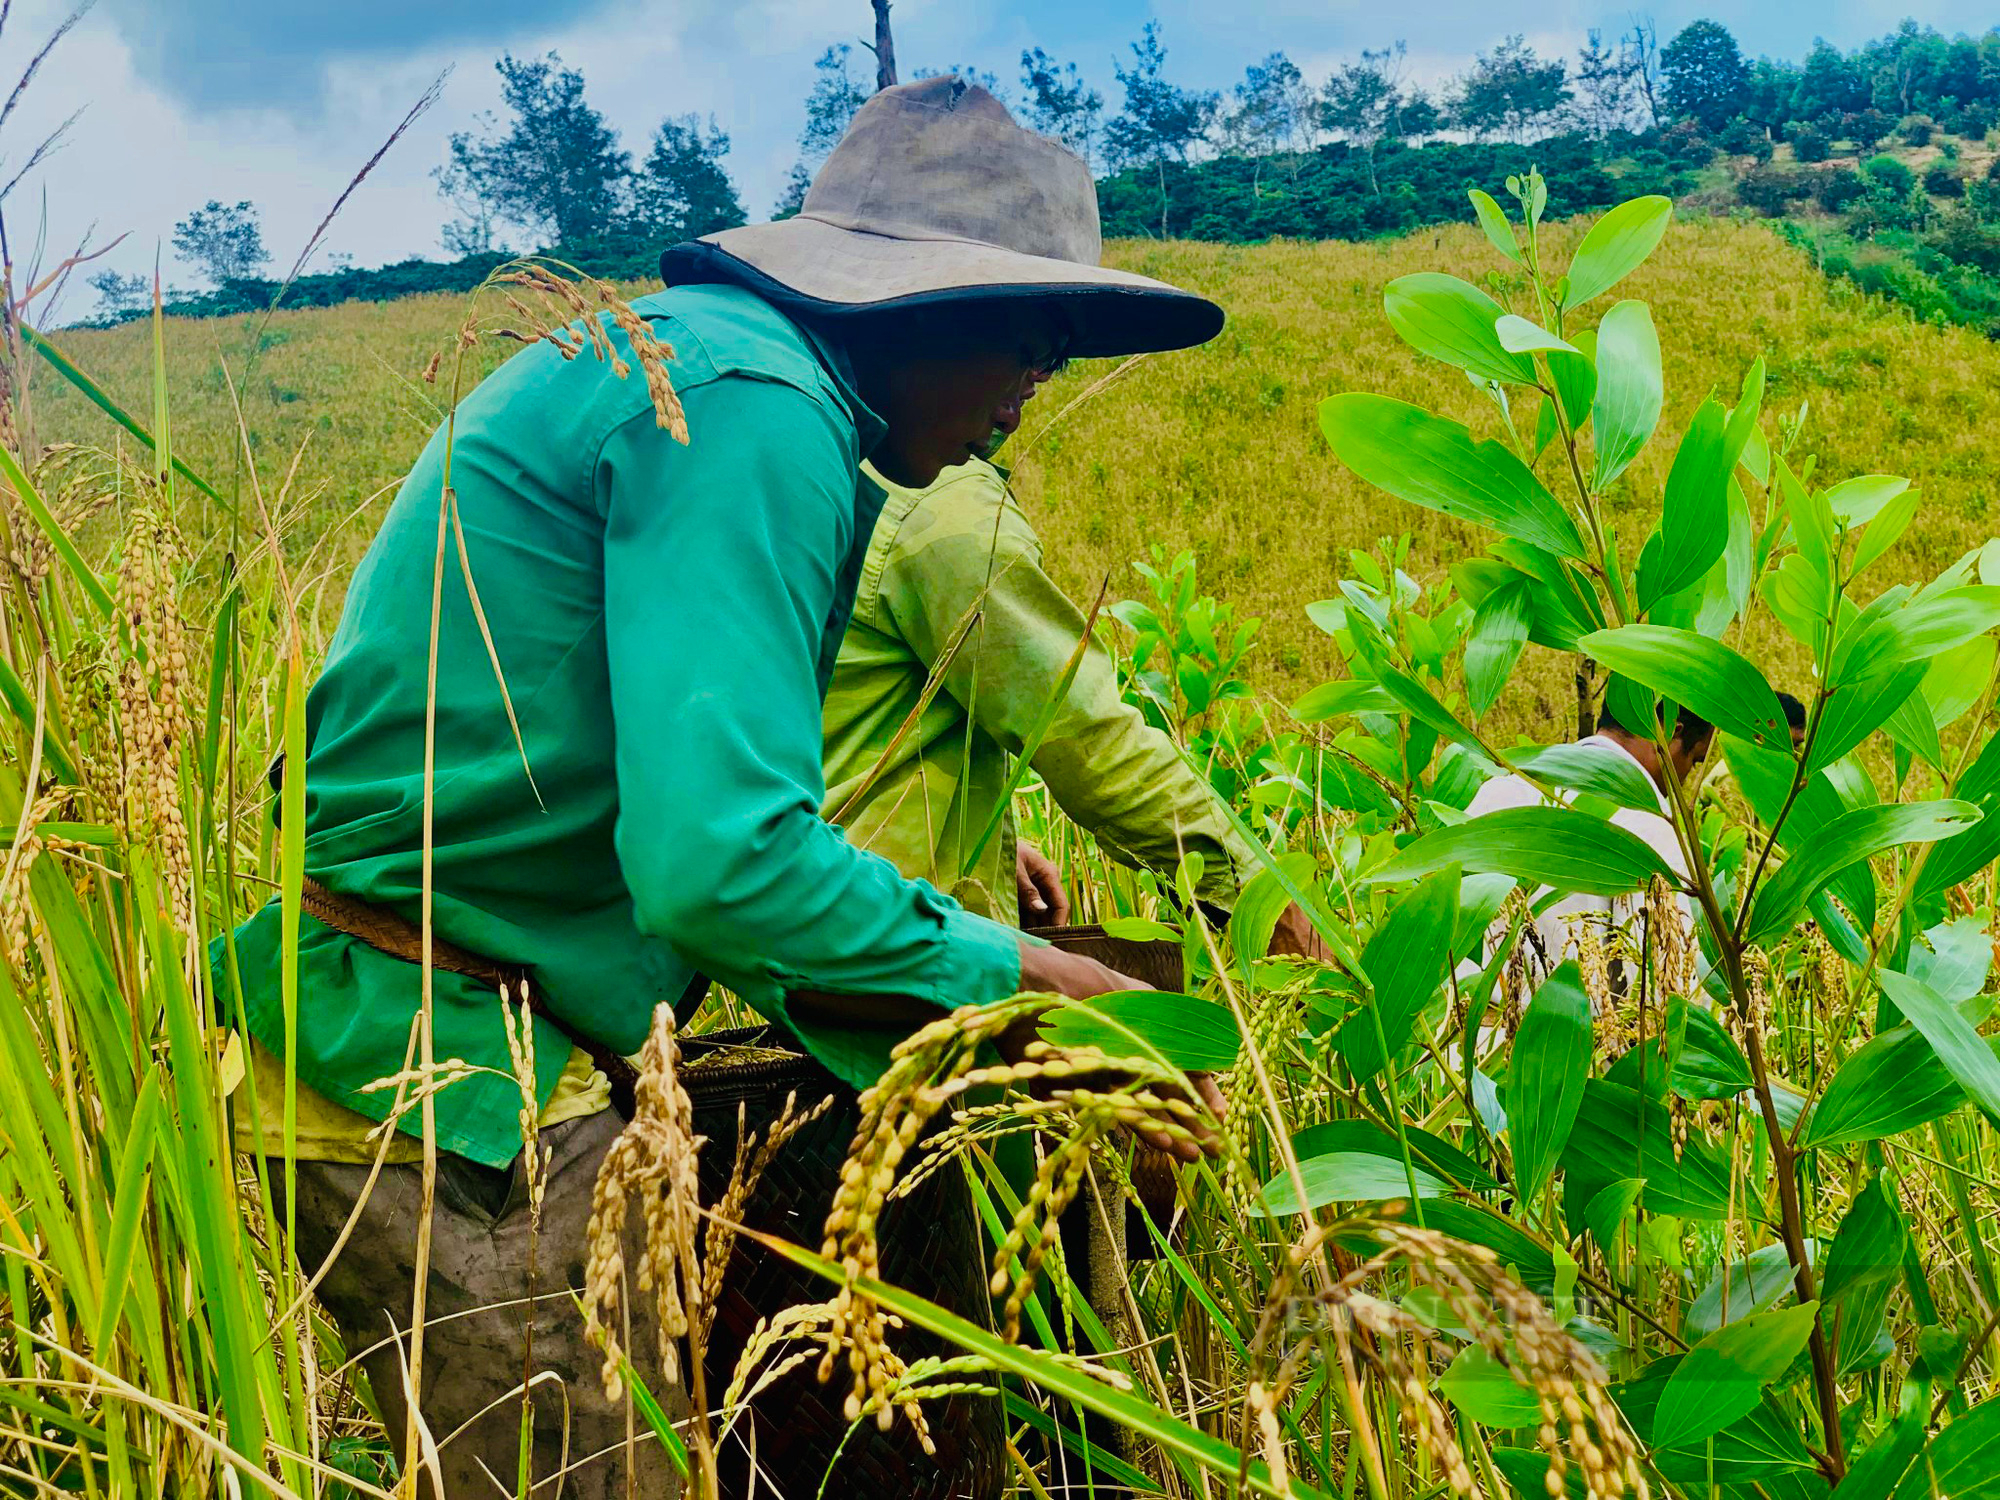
(1913, 728)
(1755, 1449)
(1892, 1083)
(1739, 1289)
(1853, 713)
(1564, 609)
(1519, 336)
(1437, 463)
(1494, 222)
(1197, 1036)
(1405, 962)
(1958, 678)
(1966, 1056)
(1551, 1061)
(1553, 846)
(1962, 1462)
(1723, 1377)
(1140, 930)
(1262, 901)
(1694, 518)
(1575, 379)
(1499, 632)
(1868, 1247)
(1743, 419)
(1964, 857)
(1344, 1177)
(1609, 1209)
(1714, 680)
(129, 1204)
(1629, 389)
(1433, 1153)
(1621, 1133)
(1452, 320)
(1856, 502)
(1710, 1064)
(1918, 631)
(1848, 839)
(1484, 1389)
(1349, 695)
(1890, 522)
(1610, 774)
(1953, 960)
(1880, 1467)
(1616, 246)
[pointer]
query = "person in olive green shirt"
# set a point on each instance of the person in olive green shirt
(941, 555)
(666, 615)
(956, 561)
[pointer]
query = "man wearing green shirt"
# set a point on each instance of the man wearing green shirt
(666, 617)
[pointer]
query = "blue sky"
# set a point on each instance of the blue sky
(279, 101)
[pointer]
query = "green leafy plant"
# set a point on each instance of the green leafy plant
(1831, 890)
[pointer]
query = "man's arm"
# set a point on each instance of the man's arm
(721, 561)
(1109, 770)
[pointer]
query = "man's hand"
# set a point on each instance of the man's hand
(1043, 901)
(1295, 937)
(1081, 978)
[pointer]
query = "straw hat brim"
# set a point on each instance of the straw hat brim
(826, 270)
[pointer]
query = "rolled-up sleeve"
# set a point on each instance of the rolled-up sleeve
(722, 561)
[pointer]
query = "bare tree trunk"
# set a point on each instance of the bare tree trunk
(885, 47)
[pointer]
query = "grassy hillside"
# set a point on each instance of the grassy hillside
(1216, 450)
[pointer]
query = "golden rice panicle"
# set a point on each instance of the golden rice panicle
(154, 690)
(926, 1072)
(652, 355)
(656, 1158)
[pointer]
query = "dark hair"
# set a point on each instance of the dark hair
(1795, 711)
(1689, 728)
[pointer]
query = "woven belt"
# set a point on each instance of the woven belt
(391, 933)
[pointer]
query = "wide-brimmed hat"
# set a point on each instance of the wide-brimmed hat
(934, 195)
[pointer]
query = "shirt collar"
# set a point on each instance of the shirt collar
(831, 352)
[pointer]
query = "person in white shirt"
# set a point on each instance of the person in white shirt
(1600, 929)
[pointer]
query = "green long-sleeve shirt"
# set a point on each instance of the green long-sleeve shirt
(667, 618)
(936, 555)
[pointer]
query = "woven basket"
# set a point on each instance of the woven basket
(931, 1245)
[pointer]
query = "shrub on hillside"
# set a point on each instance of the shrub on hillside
(1771, 190)
(1942, 181)
(1917, 130)
(1741, 137)
(1867, 128)
(1965, 241)
(1686, 146)
(1838, 188)
(1809, 141)
(1889, 177)
(1972, 121)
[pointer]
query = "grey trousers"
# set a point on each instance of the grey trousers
(477, 1319)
